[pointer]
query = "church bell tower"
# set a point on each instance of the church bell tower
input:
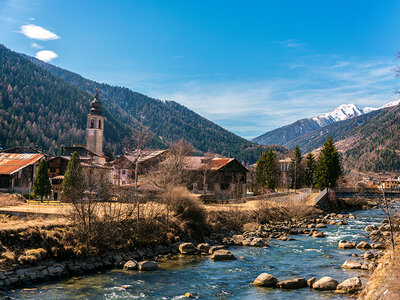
(95, 127)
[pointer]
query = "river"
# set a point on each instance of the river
(305, 257)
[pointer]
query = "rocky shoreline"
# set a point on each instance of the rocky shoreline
(216, 247)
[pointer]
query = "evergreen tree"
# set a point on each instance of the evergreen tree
(73, 183)
(310, 170)
(328, 165)
(296, 169)
(267, 171)
(41, 183)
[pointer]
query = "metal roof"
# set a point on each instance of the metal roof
(13, 162)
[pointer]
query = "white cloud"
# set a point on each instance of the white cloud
(36, 46)
(32, 19)
(38, 33)
(46, 55)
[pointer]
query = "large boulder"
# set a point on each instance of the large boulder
(368, 255)
(222, 254)
(346, 245)
(363, 245)
(148, 266)
(266, 280)
(238, 239)
(352, 264)
(296, 283)
(131, 265)
(203, 247)
(325, 284)
(350, 285)
(187, 248)
(259, 242)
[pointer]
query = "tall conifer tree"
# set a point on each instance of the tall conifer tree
(41, 183)
(73, 183)
(296, 169)
(328, 166)
(310, 170)
(267, 171)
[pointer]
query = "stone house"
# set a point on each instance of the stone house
(219, 178)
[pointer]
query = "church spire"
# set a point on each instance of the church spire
(96, 105)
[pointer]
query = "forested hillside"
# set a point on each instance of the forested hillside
(167, 119)
(39, 109)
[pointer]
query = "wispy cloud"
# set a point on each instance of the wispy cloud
(36, 46)
(38, 33)
(46, 55)
(292, 43)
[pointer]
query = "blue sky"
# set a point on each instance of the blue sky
(249, 66)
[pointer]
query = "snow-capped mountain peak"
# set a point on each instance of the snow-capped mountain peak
(340, 113)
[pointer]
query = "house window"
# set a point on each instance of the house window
(123, 172)
(99, 124)
(91, 123)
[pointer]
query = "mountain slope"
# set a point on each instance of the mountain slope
(166, 119)
(287, 134)
(369, 142)
(37, 108)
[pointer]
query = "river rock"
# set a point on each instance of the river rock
(296, 283)
(318, 234)
(187, 248)
(325, 284)
(238, 239)
(371, 228)
(368, 255)
(311, 281)
(320, 226)
(131, 265)
(148, 266)
(346, 245)
(341, 223)
(203, 247)
(266, 280)
(215, 248)
(351, 264)
(385, 221)
(350, 285)
(258, 242)
(363, 245)
(377, 246)
(222, 254)
(375, 232)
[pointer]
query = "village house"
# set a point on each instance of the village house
(219, 178)
(390, 183)
(18, 170)
(124, 167)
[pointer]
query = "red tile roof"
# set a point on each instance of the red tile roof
(13, 162)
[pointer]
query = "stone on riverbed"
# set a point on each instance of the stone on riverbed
(318, 234)
(187, 248)
(203, 247)
(296, 283)
(148, 266)
(131, 265)
(363, 245)
(258, 242)
(222, 254)
(377, 246)
(311, 281)
(346, 245)
(325, 284)
(266, 280)
(368, 255)
(350, 285)
(371, 228)
(215, 248)
(352, 264)
(320, 226)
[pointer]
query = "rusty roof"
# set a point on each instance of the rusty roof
(13, 162)
(203, 163)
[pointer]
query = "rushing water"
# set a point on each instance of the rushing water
(305, 257)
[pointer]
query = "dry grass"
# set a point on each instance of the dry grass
(11, 200)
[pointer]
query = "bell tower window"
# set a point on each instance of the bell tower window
(99, 124)
(92, 123)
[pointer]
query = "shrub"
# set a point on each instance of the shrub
(32, 256)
